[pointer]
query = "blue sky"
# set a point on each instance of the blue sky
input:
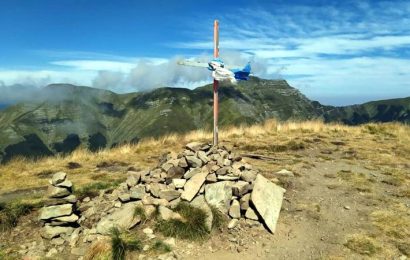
(337, 52)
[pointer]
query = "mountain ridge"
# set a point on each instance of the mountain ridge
(64, 117)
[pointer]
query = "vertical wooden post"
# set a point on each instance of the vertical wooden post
(216, 102)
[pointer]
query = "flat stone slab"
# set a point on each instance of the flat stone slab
(122, 218)
(267, 198)
(193, 185)
(56, 211)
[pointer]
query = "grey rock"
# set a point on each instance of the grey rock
(227, 178)
(194, 146)
(58, 178)
(248, 176)
(200, 202)
(193, 161)
(50, 232)
(284, 173)
(227, 162)
(155, 188)
(235, 209)
(202, 155)
(124, 197)
(58, 201)
(65, 184)
(167, 214)
(175, 172)
(122, 218)
(137, 192)
(267, 198)
(179, 183)
(57, 192)
(166, 166)
(169, 194)
(193, 185)
(233, 223)
(244, 201)
(223, 171)
(182, 162)
(133, 179)
(219, 195)
(211, 178)
(56, 211)
(250, 214)
(67, 219)
(238, 165)
(192, 172)
(240, 188)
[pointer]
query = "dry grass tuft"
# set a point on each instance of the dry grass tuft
(99, 250)
(393, 222)
(362, 244)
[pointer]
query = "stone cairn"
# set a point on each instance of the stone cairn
(59, 213)
(203, 176)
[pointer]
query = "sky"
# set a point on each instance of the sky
(336, 52)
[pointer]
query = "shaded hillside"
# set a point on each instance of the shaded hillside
(64, 117)
(375, 111)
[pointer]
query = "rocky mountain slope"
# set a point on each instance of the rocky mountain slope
(64, 117)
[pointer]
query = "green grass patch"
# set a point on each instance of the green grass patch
(162, 247)
(93, 189)
(11, 212)
(192, 228)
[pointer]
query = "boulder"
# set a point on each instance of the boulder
(57, 192)
(122, 218)
(235, 209)
(200, 202)
(193, 161)
(193, 185)
(169, 194)
(58, 178)
(267, 198)
(50, 232)
(56, 211)
(219, 195)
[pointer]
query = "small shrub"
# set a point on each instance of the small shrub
(118, 245)
(193, 227)
(362, 244)
(160, 246)
(139, 211)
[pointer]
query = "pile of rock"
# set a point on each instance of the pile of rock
(204, 176)
(59, 213)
